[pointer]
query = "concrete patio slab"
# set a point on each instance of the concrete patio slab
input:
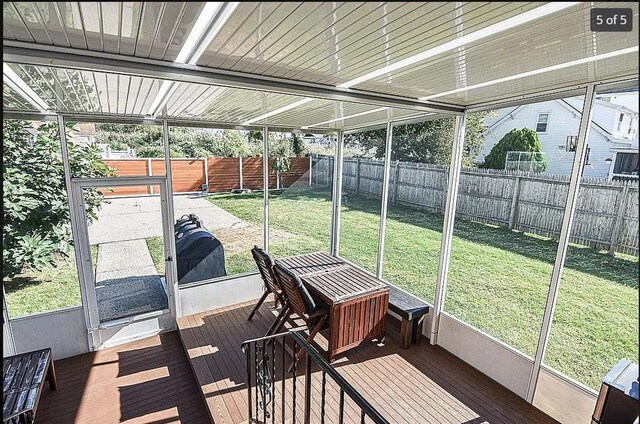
(131, 218)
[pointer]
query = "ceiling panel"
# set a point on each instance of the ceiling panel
(87, 92)
(561, 38)
(13, 101)
(316, 42)
(146, 29)
(107, 94)
(225, 105)
(343, 115)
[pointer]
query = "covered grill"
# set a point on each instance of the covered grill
(199, 254)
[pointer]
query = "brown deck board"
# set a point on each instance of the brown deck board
(423, 384)
(146, 381)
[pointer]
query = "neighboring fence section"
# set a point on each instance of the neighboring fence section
(220, 174)
(606, 218)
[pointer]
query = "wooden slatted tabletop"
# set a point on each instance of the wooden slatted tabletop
(342, 283)
(311, 262)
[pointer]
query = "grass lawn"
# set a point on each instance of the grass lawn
(156, 249)
(498, 279)
(52, 288)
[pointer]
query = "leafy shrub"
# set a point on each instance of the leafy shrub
(35, 210)
(516, 140)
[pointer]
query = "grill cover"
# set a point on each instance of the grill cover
(199, 256)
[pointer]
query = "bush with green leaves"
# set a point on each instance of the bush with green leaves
(36, 228)
(516, 140)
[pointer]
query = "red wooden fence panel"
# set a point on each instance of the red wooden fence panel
(188, 175)
(129, 168)
(224, 174)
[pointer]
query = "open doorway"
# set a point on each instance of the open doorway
(128, 291)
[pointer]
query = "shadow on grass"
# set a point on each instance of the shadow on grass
(19, 282)
(579, 258)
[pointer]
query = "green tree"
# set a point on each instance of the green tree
(254, 135)
(427, 142)
(516, 140)
(36, 225)
(297, 144)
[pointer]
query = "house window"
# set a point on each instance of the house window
(586, 157)
(620, 121)
(542, 123)
(626, 164)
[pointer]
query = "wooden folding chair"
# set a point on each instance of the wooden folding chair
(299, 301)
(265, 266)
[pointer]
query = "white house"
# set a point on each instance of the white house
(613, 139)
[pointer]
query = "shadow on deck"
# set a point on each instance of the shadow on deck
(146, 381)
(423, 384)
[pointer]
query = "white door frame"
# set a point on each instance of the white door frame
(8, 343)
(87, 284)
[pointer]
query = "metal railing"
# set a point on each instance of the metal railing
(267, 362)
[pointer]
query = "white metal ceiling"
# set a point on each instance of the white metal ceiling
(326, 43)
(154, 30)
(103, 94)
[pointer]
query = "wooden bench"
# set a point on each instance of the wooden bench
(412, 311)
(23, 378)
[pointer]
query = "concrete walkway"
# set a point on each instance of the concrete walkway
(132, 218)
(127, 282)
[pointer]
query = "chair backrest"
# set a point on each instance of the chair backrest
(297, 296)
(265, 266)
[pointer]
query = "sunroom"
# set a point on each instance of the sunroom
(455, 275)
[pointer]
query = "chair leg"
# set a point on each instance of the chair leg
(313, 333)
(279, 322)
(260, 302)
(51, 376)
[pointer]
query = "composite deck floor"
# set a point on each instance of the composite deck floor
(146, 381)
(423, 384)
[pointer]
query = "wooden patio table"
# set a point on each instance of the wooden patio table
(358, 302)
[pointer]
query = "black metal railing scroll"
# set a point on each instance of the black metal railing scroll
(272, 390)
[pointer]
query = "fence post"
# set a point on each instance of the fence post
(240, 168)
(514, 203)
(396, 175)
(619, 218)
(310, 169)
(206, 173)
(150, 173)
(357, 176)
(317, 159)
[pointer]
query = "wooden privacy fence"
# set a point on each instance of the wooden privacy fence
(606, 215)
(220, 174)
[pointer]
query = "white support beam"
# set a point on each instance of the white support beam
(385, 199)
(171, 265)
(337, 195)
(563, 241)
(447, 230)
(265, 184)
(74, 204)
